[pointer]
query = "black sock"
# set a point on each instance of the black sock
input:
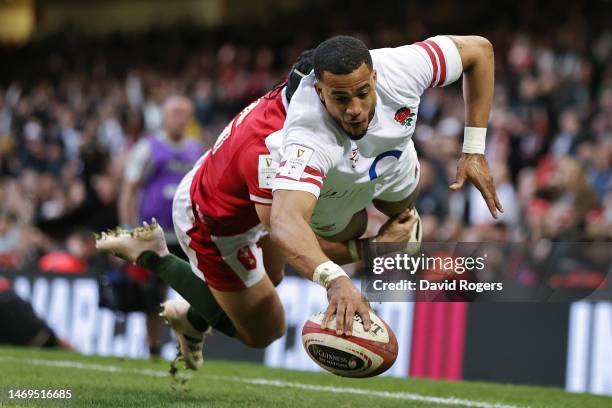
(177, 274)
(196, 320)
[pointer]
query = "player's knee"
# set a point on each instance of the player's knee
(275, 335)
(265, 337)
(264, 322)
(279, 332)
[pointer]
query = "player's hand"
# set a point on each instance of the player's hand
(398, 228)
(344, 301)
(474, 168)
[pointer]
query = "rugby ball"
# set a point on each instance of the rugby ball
(363, 354)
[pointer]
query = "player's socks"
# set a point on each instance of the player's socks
(178, 275)
(220, 322)
(196, 320)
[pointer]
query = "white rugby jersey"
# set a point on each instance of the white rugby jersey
(316, 155)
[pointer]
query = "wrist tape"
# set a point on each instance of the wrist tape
(474, 139)
(325, 273)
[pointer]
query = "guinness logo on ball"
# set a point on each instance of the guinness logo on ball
(334, 358)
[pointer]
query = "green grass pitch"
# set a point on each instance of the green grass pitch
(113, 382)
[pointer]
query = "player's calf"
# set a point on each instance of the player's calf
(256, 312)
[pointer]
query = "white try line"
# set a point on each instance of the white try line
(405, 396)
(84, 366)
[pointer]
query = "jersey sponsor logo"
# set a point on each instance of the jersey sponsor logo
(246, 258)
(354, 157)
(266, 170)
(297, 160)
(391, 153)
(404, 117)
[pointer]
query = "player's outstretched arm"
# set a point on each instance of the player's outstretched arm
(291, 211)
(478, 69)
(478, 81)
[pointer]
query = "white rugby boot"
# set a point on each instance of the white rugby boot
(190, 340)
(129, 245)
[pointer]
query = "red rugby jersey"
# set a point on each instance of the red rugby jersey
(238, 171)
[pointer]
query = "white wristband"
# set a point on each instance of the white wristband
(353, 251)
(474, 139)
(325, 273)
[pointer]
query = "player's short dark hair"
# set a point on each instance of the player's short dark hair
(340, 55)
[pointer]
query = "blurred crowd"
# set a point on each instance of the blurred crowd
(71, 107)
(549, 146)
